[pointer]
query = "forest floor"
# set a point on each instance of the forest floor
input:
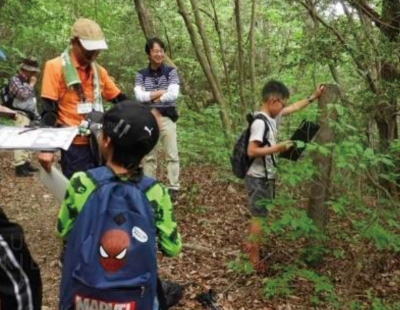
(213, 222)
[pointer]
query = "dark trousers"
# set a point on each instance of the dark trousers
(20, 281)
(77, 158)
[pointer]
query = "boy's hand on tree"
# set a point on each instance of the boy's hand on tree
(317, 93)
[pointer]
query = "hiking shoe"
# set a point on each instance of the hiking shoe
(21, 171)
(174, 194)
(173, 292)
(30, 168)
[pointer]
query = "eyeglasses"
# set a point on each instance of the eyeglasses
(157, 52)
(281, 101)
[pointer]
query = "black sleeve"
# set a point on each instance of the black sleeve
(121, 97)
(50, 112)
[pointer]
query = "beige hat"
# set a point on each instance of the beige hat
(30, 64)
(90, 34)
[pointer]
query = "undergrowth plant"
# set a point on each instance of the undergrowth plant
(201, 138)
(361, 215)
(293, 278)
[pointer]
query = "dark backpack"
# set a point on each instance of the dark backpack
(110, 260)
(240, 161)
(5, 95)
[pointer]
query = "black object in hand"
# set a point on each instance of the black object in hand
(305, 133)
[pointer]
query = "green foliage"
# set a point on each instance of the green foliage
(378, 303)
(201, 137)
(292, 278)
(296, 173)
(354, 305)
(293, 224)
(314, 254)
(241, 265)
(383, 238)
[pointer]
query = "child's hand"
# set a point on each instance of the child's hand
(317, 93)
(284, 145)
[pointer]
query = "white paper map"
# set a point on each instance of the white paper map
(14, 138)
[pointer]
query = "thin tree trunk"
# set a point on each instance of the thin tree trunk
(222, 52)
(145, 19)
(320, 188)
(206, 44)
(204, 62)
(252, 53)
(239, 34)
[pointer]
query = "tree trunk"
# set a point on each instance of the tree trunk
(204, 58)
(145, 19)
(222, 51)
(252, 52)
(320, 188)
(387, 117)
(239, 35)
(206, 44)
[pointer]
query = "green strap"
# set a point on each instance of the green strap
(73, 81)
(98, 100)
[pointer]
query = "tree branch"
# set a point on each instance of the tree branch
(370, 13)
(339, 36)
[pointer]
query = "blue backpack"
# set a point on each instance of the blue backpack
(110, 260)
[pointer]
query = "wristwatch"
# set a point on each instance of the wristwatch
(310, 99)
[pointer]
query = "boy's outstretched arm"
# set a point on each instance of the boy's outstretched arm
(303, 103)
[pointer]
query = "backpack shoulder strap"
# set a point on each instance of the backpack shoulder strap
(144, 72)
(104, 174)
(145, 184)
(101, 175)
(166, 71)
(267, 128)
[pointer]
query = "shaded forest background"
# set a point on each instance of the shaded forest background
(224, 51)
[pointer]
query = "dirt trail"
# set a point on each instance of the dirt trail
(211, 220)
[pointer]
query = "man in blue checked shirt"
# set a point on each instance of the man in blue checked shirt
(158, 87)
